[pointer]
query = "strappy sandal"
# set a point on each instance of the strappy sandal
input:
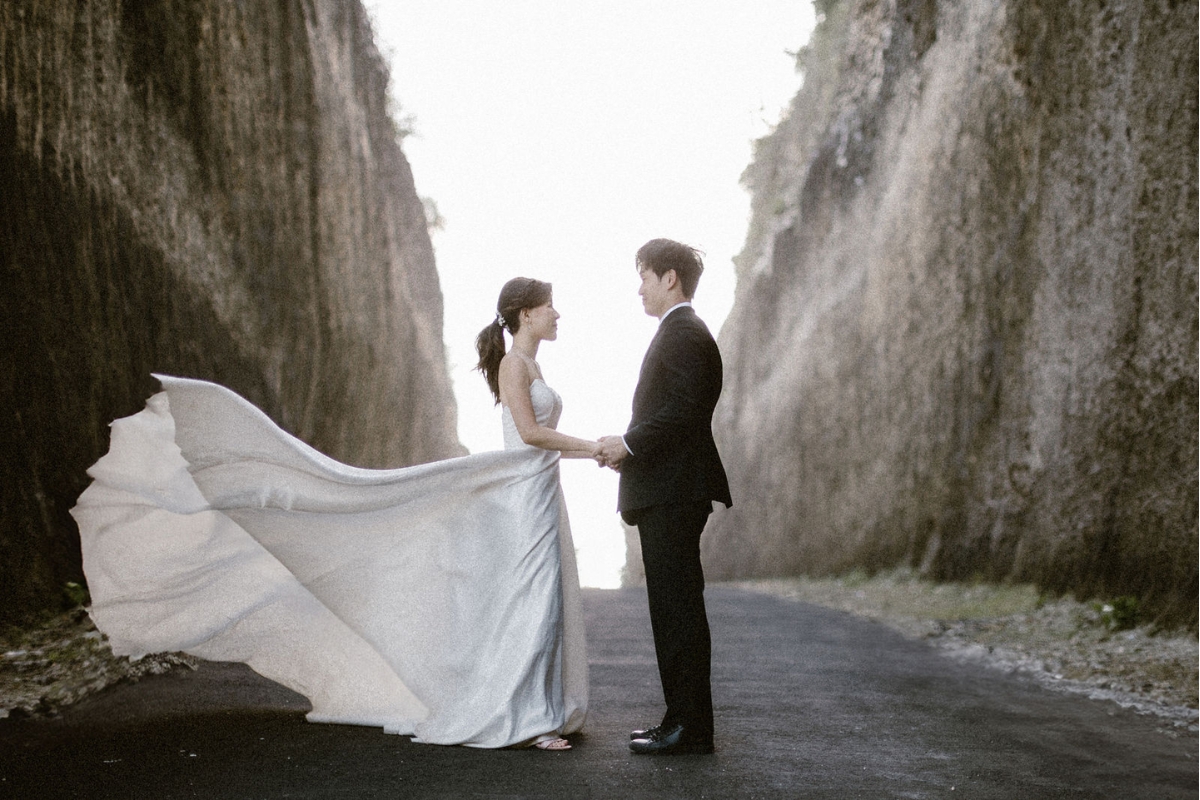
(553, 744)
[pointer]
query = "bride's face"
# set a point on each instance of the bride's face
(542, 321)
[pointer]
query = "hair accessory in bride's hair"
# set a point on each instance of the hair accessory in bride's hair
(500, 321)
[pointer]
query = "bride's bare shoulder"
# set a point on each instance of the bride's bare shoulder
(518, 365)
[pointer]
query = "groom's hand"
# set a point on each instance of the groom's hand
(612, 452)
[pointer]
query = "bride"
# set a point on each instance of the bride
(439, 601)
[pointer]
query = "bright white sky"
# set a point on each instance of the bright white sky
(556, 137)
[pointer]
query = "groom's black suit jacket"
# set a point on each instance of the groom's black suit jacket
(673, 458)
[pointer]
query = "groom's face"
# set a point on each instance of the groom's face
(655, 291)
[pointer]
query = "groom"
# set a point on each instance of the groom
(670, 476)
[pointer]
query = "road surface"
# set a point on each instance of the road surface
(810, 703)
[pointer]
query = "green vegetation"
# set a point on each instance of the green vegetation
(1119, 615)
(75, 595)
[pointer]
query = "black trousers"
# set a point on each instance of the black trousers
(670, 536)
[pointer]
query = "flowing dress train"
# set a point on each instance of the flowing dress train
(439, 601)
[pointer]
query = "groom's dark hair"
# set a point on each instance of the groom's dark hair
(663, 255)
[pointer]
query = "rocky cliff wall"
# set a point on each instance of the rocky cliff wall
(965, 331)
(206, 189)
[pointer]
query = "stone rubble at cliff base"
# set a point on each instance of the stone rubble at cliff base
(1063, 644)
(65, 659)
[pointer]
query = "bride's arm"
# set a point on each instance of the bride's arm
(514, 393)
(581, 453)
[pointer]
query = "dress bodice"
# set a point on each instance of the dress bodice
(547, 408)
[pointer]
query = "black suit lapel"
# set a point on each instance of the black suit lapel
(644, 376)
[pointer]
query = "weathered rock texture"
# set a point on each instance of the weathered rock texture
(965, 331)
(207, 189)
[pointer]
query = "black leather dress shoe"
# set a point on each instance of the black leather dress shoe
(646, 734)
(672, 741)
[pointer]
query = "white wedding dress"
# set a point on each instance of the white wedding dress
(439, 601)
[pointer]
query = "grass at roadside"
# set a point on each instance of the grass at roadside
(901, 595)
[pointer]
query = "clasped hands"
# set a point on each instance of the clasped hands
(611, 452)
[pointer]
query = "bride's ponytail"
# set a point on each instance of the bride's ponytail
(517, 294)
(490, 346)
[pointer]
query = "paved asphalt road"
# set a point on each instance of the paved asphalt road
(810, 703)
